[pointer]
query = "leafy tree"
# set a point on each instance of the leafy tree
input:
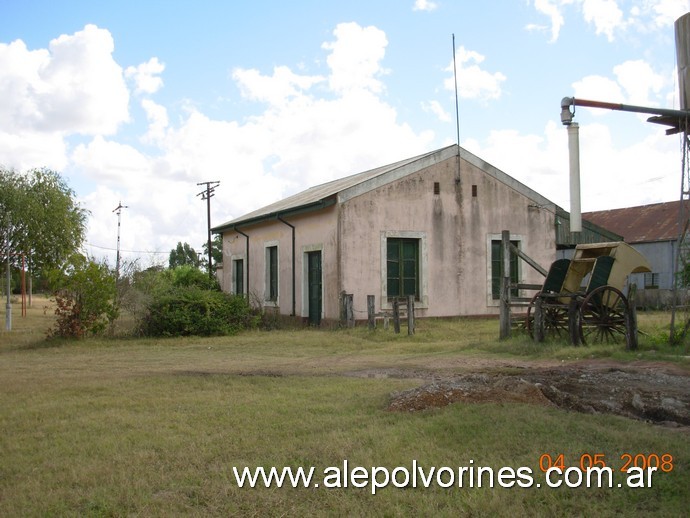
(216, 251)
(40, 218)
(85, 296)
(183, 254)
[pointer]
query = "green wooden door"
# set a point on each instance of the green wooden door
(314, 280)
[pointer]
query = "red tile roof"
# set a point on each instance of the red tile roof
(646, 223)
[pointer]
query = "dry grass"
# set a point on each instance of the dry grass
(153, 427)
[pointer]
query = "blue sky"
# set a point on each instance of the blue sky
(138, 101)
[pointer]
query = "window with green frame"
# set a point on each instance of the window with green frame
(238, 272)
(497, 267)
(402, 267)
(272, 273)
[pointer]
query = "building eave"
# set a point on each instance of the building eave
(271, 216)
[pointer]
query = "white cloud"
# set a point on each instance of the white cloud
(355, 58)
(146, 76)
(436, 108)
(541, 162)
(276, 89)
(553, 11)
(636, 83)
(639, 81)
(666, 12)
(473, 81)
(73, 87)
(110, 162)
(424, 5)
(599, 88)
(608, 16)
(605, 15)
(157, 117)
(22, 150)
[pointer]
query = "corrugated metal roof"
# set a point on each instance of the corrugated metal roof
(591, 232)
(315, 195)
(642, 224)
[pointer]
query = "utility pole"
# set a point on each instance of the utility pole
(8, 307)
(207, 194)
(118, 210)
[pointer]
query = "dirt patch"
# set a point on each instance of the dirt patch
(651, 392)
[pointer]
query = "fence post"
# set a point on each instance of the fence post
(410, 314)
(631, 324)
(396, 315)
(349, 310)
(505, 286)
(539, 320)
(573, 322)
(371, 312)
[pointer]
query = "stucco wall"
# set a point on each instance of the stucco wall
(313, 232)
(455, 229)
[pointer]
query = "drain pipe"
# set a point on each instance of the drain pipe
(294, 302)
(247, 255)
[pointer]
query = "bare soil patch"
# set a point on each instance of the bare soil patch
(653, 392)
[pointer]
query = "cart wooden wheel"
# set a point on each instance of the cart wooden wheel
(605, 317)
(555, 317)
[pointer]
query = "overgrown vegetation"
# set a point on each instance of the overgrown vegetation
(183, 301)
(84, 293)
(185, 311)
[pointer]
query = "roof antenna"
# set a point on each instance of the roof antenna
(457, 112)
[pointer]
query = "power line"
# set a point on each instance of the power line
(126, 251)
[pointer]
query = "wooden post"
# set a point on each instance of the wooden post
(504, 318)
(349, 310)
(631, 323)
(574, 322)
(396, 315)
(410, 314)
(539, 320)
(371, 312)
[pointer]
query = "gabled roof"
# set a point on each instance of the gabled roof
(324, 195)
(641, 224)
(314, 198)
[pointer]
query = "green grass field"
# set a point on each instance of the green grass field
(140, 427)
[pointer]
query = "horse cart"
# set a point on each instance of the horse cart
(583, 298)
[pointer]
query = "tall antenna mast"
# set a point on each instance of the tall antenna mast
(457, 111)
(118, 210)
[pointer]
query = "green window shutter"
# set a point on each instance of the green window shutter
(497, 268)
(402, 264)
(273, 273)
(239, 277)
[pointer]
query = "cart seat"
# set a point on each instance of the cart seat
(556, 276)
(600, 273)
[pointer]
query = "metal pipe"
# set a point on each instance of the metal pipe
(574, 154)
(567, 115)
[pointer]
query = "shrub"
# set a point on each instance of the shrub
(85, 296)
(188, 275)
(185, 311)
